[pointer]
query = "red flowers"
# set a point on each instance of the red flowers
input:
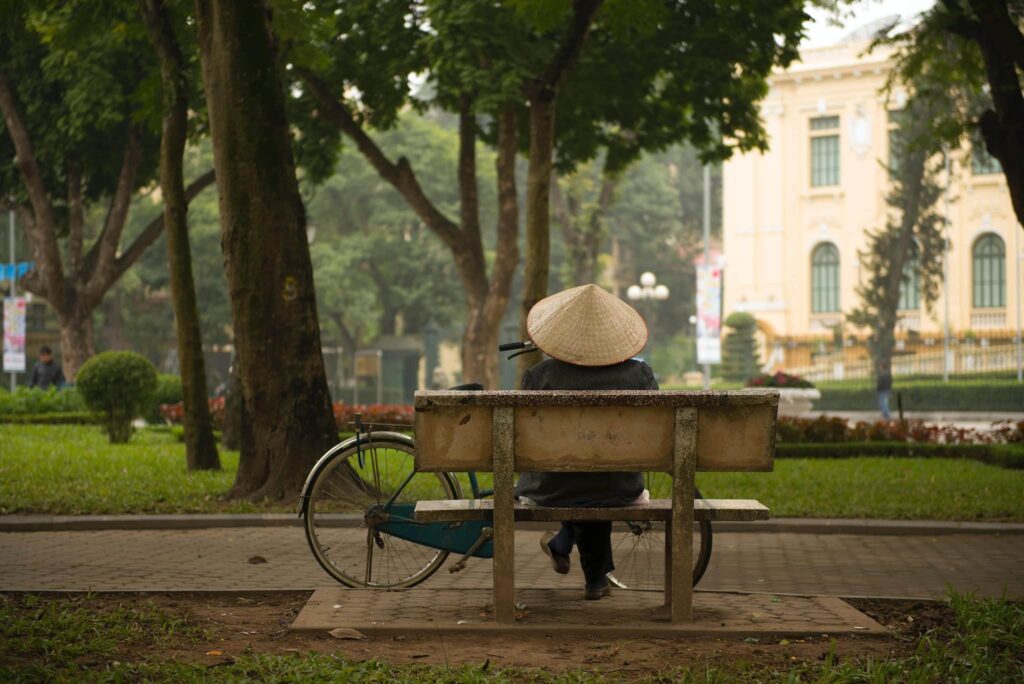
(344, 414)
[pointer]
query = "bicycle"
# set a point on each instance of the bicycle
(358, 507)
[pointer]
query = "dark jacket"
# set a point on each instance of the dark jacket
(585, 489)
(46, 375)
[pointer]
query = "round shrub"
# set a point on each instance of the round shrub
(739, 350)
(120, 386)
(168, 391)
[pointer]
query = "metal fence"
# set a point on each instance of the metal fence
(965, 359)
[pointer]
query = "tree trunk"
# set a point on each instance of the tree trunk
(235, 422)
(541, 94)
(76, 338)
(538, 213)
(200, 445)
(263, 233)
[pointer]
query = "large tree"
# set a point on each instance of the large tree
(200, 445)
(973, 45)
(72, 96)
(266, 255)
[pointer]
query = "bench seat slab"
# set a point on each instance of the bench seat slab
(457, 510)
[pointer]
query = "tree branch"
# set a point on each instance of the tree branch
(117, 216)
(43, 232)
(959, 23)
(76, 220)
(506, 257)
(995, 20)
(469, 203)
(583, 12)
(152, 231)
(400, 175)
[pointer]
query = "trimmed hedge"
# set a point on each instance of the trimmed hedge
(61, 418)
(921, 395)
(32, 400)
(1005, 455)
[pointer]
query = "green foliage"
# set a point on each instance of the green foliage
(168, 391)
(50, 639)
(56, 418)
(944, 70)
(119, 385)
(83, 76)
(739, 349)
(33, 400)
(964, 395)
(983, 645)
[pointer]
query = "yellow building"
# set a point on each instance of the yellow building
(795, 217)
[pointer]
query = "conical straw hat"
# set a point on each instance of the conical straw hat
(586, 326)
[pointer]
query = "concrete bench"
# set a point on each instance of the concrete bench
(568, 431)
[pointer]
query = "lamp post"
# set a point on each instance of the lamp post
(648, 290)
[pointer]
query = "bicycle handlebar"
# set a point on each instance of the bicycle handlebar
(510, 346)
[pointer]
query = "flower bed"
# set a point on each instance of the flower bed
(833, 430)
(344, 414)
(779, 380)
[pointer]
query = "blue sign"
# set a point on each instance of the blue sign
(15, 271)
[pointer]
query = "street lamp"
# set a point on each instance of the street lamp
(647, 289)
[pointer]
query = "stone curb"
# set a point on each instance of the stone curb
(55, 523)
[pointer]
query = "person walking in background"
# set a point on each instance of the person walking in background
(884, 387)
(47, 372)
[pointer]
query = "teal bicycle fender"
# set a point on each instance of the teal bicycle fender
(456, 537)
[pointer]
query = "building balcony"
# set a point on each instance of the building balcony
(988, 319)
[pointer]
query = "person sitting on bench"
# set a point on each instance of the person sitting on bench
(591, 337)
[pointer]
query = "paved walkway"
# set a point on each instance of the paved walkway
(232, 559)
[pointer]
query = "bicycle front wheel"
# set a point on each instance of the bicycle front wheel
(638, 547)
(350, 498)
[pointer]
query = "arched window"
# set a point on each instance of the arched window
(825, 278)
(989, 272)
(910, 286)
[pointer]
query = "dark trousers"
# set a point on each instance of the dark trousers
(594, 541)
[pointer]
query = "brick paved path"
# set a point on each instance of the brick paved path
(219, 559)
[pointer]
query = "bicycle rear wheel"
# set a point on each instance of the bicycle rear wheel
(348, 510)
(638, 547)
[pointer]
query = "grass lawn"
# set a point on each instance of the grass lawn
(73, 470)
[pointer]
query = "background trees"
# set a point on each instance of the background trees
(72, 89)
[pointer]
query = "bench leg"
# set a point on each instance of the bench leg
(668, 563)
(681, 529)
(504, 519)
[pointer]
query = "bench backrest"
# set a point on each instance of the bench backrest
(597, 430)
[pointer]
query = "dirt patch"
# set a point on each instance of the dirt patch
(908, 619)
(248, 623)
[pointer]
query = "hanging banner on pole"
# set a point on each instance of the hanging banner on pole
(14, 334)
(709, 314)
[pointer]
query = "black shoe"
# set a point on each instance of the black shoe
(559, 563)
(596, 593)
